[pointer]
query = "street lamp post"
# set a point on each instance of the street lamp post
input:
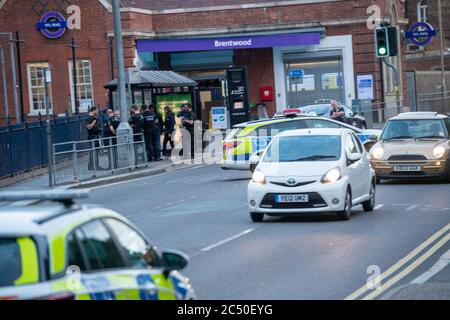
(124, 131)
(47, 81)
(441, 38)
(18, 42)
(74, 76)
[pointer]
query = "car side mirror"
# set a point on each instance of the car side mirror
(353, 157)
(173, 260)
(373, 137)
(254, 159)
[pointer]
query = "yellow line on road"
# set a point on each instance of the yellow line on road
(400, 263)
(408, 270)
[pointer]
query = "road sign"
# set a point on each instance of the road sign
(296, 73)
(421, 33)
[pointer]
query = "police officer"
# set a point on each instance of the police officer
(94, 131)
(158, 132)
(149, 130)
(187, 118)
(114, 123)
(136, 122)
(337, 113)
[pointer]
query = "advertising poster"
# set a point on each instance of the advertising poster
(174, 101)
(365, 86)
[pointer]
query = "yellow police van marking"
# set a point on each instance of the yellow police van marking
(29, 260)
(166, 290)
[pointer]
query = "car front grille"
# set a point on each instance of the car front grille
(315, 201)
(285, 184)
(408, 157)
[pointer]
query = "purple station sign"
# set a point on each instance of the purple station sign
(228, 43)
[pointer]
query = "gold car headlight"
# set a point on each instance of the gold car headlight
(439, 151)
(377, 153)
(259, 177)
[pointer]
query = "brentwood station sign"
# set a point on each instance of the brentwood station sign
(222, 43)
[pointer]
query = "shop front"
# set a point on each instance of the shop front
(235, 71)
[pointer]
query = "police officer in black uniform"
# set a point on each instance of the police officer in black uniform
(337, 112)
(187, 118)
(137, 123)
(94, 131)
(149, 130)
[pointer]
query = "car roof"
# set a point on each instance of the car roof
(419, 115)
(31, 219)
(314, 131)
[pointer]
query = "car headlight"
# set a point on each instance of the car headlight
(439, 151)
(259, 177)
(377, 153)
(332, 175)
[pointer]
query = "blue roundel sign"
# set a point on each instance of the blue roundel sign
(421, 33)
(52, 25)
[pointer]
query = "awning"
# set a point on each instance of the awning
(154, 78)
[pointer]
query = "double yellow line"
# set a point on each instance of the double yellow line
(366, 293)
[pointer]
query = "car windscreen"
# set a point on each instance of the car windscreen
(304, 148)
(414, 129)
(234, 133)
(319, 109)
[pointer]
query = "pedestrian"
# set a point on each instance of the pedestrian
(137, 123)
(105, 126)
(94, 131)
(157, 135)
(337, 112)
(169, 128)
(187, 118)
(149, 130)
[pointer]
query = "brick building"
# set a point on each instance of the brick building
(423, 63)
(303, 49)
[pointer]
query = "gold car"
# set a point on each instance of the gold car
(413, 145)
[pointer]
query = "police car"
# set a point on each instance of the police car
(250, 138)
(55, 249)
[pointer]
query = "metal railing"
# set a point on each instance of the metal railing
(82, 160)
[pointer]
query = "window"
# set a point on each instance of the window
(350, 145)
(134, 246)
(10, 263)
(36, 86)
(422, 11)
(84, 84)
(75, 255)
(317, 123)
(100, 249)
(358, 143)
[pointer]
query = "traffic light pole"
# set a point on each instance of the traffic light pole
(397, 81)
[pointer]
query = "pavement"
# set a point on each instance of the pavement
(201, 210)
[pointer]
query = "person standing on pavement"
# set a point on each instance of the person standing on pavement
(337, 112)
(149, 130)
(187, 118)
(106, 130)
(137, 123)
(169, 128)
(157, 135)
(94, 131)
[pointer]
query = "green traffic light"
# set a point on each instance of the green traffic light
(382, 51)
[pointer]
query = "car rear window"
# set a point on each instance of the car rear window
(18, 261)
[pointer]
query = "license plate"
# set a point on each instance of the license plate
(407, 168)
(292, 198)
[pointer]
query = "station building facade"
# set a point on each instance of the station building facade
(295, 52)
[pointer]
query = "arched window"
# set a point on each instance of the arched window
(422, 11)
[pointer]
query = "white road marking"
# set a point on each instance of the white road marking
(222, 242)
(171, 181)
(378, 206)
(193, 197)
(402, 262)
(412, 207)
(443, 261)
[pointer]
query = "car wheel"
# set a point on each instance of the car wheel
(256, 216)
(370, 204)
(345, 214)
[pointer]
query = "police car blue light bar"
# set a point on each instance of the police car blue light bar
(52, 195)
